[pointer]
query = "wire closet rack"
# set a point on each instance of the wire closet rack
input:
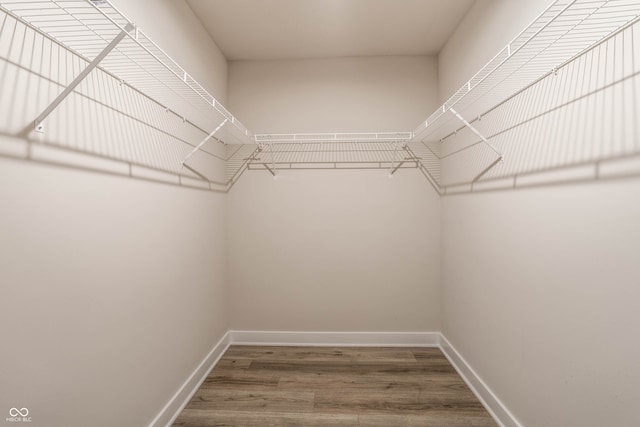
(524, 111)
(577, 62)
(333, 151)
(101, 34)
(87, 46)
(519, 115)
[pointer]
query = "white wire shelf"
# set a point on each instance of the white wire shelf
(560, 33)
(319, 138)
(364, 150)
(87, 27)
(336, 152)
(533, 97)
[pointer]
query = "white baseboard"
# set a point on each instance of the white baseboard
(489, 400)
(176, 404)
(349, 339)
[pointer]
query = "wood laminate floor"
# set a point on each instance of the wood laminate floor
(333, 386)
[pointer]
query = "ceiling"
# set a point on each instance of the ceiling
(296, 29)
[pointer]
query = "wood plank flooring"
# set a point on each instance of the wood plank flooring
(334, 386)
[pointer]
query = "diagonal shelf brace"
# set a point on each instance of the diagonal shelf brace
(37, 124)
(398, 166)
(204, 141)
(196, 172)
(487, 169)
(271, 171)
(273, 161)
(253, 158)
(474, 130)
(197, 147)
(393, 169)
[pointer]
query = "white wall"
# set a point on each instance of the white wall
(539, 285)
(113, 289)
(369, 94)
(334, 250)
(113, 293)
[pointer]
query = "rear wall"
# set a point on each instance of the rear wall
(334, 250)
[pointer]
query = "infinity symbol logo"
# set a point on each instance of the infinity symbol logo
(14, 412)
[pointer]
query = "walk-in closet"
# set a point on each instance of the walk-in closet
(320, 213)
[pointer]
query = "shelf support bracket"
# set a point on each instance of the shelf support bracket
(196, 172)
(394, 167)
(199, 146)
(481, 174)
(37, 124)
(398, 166)
(273, 161)
(204, 141)
(271, 171)
(474, 130)
(253, 159)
